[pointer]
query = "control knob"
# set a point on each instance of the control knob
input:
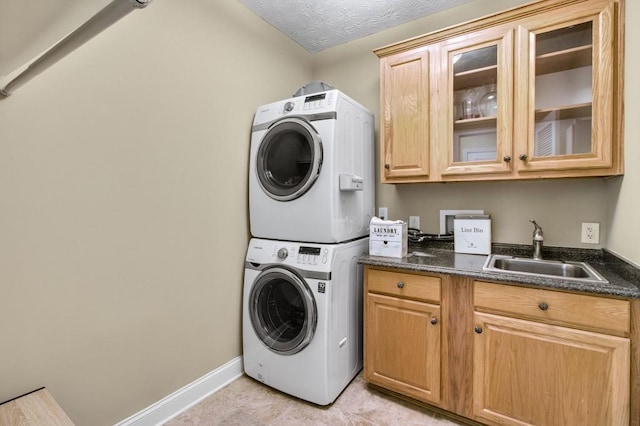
(289, 106)
(283, 253)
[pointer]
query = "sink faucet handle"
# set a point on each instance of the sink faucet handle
(537, 232)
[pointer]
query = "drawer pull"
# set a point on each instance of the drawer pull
(543, 306)
(478, 329)
(434, 320)
(400, 284)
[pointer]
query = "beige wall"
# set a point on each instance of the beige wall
(623, 194)
(560, 206)
(123, 206)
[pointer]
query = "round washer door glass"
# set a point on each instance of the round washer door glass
(282, 311)
(289, 159)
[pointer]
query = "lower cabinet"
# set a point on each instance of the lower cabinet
(530, 372)
(527, 356)
(527, 373)
(402, 334)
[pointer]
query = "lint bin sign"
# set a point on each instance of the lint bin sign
(472, 234)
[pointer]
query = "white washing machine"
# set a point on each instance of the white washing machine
(302, 316)
(311, 175)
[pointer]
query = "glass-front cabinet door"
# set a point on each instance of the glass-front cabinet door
(476, 96)
(565, 82)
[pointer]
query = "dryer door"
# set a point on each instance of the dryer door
(282, 311)
(289, 158)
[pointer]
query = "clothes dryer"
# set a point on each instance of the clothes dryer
(311, 174)
(302, 316)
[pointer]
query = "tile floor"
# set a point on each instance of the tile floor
(246, 402)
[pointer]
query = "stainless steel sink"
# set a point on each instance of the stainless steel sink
(549, 268)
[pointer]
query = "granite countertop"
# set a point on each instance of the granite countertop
(624, 278)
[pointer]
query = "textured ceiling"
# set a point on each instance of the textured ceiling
(319, 24)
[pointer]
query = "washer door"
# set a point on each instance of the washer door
(289, 158)
(282, 311)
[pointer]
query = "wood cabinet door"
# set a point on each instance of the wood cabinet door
(475, 119)
(402, 346)
(568, 93)
(405, 116)
(528, 373)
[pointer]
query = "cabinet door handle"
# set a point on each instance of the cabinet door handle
(507, 158)
(478, 329)
(523, 157)
(434, 320)
(543, 306)
(387, 166)
(400, 284)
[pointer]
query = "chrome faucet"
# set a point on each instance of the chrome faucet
(538, 238)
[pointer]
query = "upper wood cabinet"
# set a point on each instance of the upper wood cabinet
(533, 92)
(406, 115)
(476, 123)
(566, 89)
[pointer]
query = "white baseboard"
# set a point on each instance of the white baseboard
(174, 404)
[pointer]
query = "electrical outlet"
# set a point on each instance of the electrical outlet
(383, 213)
(414, 222)
(590, 233)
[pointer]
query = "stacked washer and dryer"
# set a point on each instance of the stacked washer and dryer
(311, 198)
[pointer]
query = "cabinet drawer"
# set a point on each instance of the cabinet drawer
(411, 286)
(591, 312)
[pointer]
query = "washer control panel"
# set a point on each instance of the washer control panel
(302, 255)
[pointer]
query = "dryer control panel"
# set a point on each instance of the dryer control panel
(312, 255)
(318, 101)
(312, 103)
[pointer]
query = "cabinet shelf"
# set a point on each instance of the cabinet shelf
(475, 78)
(563, 60)
(475, 123)
(563, 113)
